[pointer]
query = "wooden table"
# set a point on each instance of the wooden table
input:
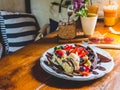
(21, 70)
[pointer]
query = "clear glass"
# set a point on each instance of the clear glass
(94, 6)
(110, 10)
(100, 4)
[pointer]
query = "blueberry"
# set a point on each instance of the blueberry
(81, 60)
(82, 68)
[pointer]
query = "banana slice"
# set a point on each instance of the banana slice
(88, 63)
(84, 60)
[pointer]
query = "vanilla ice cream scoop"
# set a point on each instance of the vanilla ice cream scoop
(75, 60)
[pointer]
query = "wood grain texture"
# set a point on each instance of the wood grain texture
(21, 70)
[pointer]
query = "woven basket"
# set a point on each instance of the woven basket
(67, 31)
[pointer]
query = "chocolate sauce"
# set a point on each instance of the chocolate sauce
(95, 73)
(101, 68)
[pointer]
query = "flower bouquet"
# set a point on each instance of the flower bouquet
(80, 7)
(88, 20)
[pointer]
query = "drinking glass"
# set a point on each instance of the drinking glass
(110, 13)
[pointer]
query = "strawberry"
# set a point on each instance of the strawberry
(108, 40)
(68, 47)
(60, 52)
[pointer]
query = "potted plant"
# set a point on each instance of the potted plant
(88, 20)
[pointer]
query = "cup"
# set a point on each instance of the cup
(88, 24)
(110, 15)
(93, 9)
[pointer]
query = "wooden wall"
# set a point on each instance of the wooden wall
(12, 5)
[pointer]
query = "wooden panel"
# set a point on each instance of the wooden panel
(14, 5)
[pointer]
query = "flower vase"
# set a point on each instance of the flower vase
(88, 24)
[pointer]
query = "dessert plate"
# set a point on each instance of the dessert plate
(107, 65)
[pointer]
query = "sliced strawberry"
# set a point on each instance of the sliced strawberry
(74, 50)
(87, 68)
(68, 47)
(82, 54)
(60, 52)
(108, 40)
(85, 73)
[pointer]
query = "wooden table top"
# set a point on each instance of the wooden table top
(21, 70)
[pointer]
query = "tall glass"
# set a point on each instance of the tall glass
(93, 6)
(110, 14)
(93, 9)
